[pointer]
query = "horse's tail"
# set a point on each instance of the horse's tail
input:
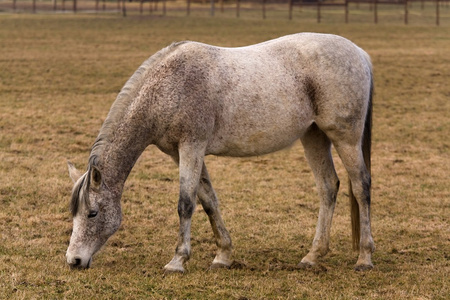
(366, 149)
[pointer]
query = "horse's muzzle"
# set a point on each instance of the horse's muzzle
(79, 263)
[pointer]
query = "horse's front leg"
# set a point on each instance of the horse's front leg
(190, 164)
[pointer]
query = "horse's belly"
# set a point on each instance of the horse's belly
(247, 141)
(254, 146)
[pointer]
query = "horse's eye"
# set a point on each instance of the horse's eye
(92, 214)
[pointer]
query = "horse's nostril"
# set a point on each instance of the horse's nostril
(77, 262)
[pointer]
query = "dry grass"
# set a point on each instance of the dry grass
(58, 78)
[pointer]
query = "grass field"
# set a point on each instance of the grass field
(59, 75)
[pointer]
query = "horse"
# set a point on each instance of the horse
(192, 99)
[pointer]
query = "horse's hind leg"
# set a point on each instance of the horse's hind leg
(210, 204)
(359, 176)
(318, 153)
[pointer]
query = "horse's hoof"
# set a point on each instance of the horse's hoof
(168, 272)
(218, 266)
(363, 267)
(234, 265)
(305, 265)
(215, 266)
(173, 270)
(315, 268)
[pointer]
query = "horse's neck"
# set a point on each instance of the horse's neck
(127, 129)
(122, 150)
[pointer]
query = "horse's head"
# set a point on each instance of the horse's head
(96, 215)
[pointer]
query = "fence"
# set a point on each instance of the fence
(121, 6)
(373, 6)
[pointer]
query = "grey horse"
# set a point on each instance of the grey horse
(191, 99)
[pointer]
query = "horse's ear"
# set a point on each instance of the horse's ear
(73, 172)
(96, 177)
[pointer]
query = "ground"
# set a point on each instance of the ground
(59, 75)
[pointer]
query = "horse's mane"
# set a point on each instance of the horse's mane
(80, 192)
(122, 102)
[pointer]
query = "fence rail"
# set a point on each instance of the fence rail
(121, 6)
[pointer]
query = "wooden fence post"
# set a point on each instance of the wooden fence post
(346, 11)
(437, 12)
(318, 11)
(74, 6)
(188, 8)
(238, 8)
(124, 8)
(264, 9)
(406, 12)
(212, 8)
(291, 3)
(375, 11)
(34, 6)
